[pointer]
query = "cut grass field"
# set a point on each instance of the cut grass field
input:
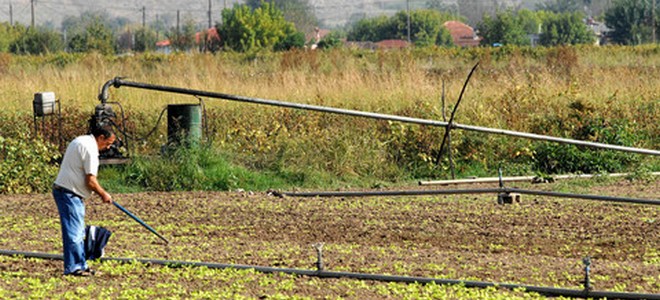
(539, 241)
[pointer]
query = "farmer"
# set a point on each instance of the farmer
(75, 182)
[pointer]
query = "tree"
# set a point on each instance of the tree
(95, 37)
(37, 41)
(244, 29)
(183, 39)
(565, 29)
(294, 40)
(531, 20)
(91, 31)
(299, 12)
(9, 34)
(505, 29)
(372, 29)
(145, 40)
(630, 21)
(330, 41)
(125, 41)
(426, 28)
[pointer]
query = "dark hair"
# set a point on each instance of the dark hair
(103, 130)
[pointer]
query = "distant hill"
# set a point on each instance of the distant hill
(331, 13)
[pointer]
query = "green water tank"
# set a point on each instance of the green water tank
(184, 124)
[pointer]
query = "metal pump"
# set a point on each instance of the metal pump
(104, 115)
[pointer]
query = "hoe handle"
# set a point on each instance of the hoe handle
(134, 217)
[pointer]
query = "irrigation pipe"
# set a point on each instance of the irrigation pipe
(469, 191)
(119, 82)
(548, 291)
(521, 178)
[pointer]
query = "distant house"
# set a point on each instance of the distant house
(462, 34)
(164, 46)
(204, 40)
(207, 36)
(599, 29)
(314, 38)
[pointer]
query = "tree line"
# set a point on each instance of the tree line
(280, 25)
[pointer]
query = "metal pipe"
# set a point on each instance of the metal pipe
(539, 137)
(522, 178)
(118, 82)
(389, 193)
(548, 291)
(585, 197)
(468, 191)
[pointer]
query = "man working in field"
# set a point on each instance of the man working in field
(75, 182)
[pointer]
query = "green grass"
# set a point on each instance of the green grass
(197, 168)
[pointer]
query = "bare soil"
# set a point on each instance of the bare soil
(537, 241)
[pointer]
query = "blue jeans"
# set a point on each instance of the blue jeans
(72, 220)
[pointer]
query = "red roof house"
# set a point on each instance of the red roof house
(211, 35)
(462, 34)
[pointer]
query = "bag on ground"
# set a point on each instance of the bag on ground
(95, 240)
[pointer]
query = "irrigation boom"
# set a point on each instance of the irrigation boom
(119, 82)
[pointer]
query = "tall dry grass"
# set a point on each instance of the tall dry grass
(513, 88)
(509, 79)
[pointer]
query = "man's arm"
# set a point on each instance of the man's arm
(94, 185)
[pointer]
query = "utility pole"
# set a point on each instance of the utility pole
(157, 27)
(408, 9)
(144, 16)
(210, 19)
(32, 9)
(11, 15)
(66, 45)
(653, 21)
(177, 21)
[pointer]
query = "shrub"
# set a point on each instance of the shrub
(582, 124)
(330, 41)
(37, 41)
(63, 59)
(26, 167)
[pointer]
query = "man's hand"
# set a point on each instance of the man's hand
(106, 198)
(94, 185)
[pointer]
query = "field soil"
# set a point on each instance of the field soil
(538, 241)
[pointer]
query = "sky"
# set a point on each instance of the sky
(54, 11)
(330, 12)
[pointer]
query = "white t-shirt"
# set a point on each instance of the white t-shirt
(81, 158)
